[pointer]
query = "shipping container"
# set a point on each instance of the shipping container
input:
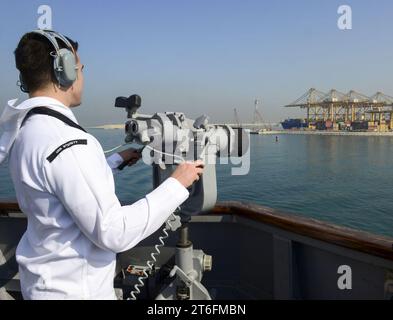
(359, 125)
(320, 125)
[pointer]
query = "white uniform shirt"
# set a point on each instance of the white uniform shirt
(76, 224)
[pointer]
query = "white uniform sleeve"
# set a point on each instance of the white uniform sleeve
(114, 161)
(78, 177)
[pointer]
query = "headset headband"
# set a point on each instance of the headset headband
(51, 36)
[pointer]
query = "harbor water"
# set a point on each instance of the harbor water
(346, 180)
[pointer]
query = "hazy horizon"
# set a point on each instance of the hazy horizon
(208, 57)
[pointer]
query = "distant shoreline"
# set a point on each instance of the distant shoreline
(333, 133)
(108, 126)
(282, 132)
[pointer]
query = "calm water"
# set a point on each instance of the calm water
(344, 180)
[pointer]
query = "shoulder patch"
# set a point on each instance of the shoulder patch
(65, 146)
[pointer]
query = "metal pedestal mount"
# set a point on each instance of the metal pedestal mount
(188, 270)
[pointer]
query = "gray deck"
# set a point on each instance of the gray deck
(251, 260)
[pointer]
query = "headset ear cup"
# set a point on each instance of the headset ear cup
(65, 68)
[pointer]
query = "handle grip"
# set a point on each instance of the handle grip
(123, 165)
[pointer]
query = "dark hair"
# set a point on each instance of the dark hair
(34, 62)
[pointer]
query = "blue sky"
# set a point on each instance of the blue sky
(210, 56)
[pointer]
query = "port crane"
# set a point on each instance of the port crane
(346, 107)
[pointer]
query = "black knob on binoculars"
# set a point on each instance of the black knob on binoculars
(131, 104)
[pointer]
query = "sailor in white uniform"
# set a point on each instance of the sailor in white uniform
(65, 185)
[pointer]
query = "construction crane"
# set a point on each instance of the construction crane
(237, 120)
(258, 119)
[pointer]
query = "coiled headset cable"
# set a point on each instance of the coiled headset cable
(150, 263)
